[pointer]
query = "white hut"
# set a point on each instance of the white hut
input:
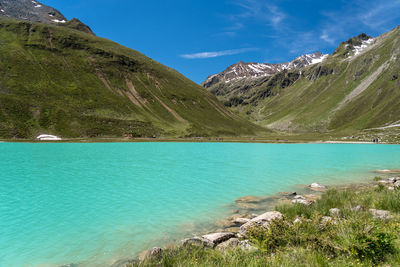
(47, 137)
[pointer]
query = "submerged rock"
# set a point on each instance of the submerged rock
(241, 220)
(263, 220)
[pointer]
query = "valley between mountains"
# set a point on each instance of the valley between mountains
(58, 77)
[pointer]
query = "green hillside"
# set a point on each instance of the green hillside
(62, 81)
(346, 94)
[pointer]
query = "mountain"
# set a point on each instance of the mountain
(34, 11)
(64, 81)
(30, 10)
(244, 70)
(354, 90)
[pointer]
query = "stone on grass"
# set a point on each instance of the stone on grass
(217, 238)
(357, 208)
(229, 244)
(198, 242)
(380, 214)
(246, 245)
(326, 219)
(334, 212)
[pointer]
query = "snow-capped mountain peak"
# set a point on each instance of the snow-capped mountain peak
(244, 70)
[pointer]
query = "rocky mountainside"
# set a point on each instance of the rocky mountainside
(61, 81)
(34, 11)
(354, 89)
(30, 10)
(244, 70)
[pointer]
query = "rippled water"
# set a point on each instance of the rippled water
(93, 204)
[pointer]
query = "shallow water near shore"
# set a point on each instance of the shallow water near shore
(93, 204)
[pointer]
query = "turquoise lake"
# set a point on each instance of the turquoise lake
(93, 204)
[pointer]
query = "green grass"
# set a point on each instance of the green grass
(63, 81)
(354, 238)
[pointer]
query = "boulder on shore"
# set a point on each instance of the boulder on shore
(263, 220)
(217, 238)
(317, 186)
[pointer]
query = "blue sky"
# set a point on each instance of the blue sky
(203, 37)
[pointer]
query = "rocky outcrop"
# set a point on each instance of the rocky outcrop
(78, 25)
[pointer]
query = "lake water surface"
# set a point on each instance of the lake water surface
(93, 204)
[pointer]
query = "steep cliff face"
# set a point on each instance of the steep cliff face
(355, 88)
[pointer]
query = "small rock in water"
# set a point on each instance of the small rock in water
(334, 212)
(229, 244)
(317, 186)
(380, 214)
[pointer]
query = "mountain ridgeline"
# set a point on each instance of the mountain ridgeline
(58, 78)
(354, 89)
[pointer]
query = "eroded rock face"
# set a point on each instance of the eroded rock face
(263, 220)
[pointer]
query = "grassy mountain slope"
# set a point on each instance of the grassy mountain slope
(345, 94)
(63, 81)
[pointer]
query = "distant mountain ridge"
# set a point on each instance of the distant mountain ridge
(256, 70)
(354, 89)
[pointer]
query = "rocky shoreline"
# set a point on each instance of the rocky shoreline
(233, 228)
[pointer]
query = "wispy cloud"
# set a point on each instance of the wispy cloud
(203, 55)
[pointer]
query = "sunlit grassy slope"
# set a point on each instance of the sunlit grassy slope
(62, 81)
(343, 95)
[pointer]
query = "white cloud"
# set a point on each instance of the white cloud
(203, 55)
